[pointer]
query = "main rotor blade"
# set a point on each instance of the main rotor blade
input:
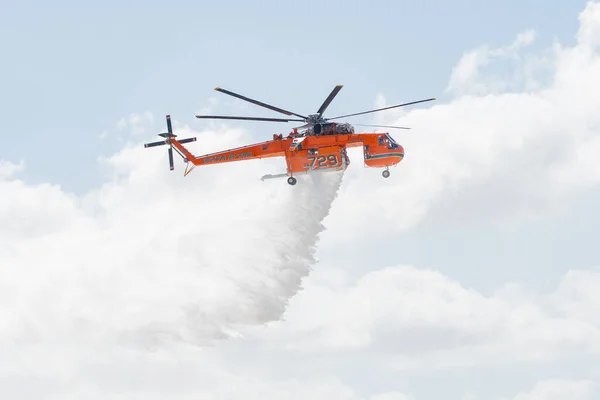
(248, 118)
(259, 103)
(381, 109)
(328, 100)
(382, 126)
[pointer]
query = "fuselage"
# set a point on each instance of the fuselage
(308, 151)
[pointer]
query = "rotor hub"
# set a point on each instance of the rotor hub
(315, 119)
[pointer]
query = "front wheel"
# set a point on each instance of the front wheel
(291, 180)
(386, 173)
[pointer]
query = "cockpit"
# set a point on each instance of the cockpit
(387, 140)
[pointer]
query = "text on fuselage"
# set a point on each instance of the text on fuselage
(228, 157)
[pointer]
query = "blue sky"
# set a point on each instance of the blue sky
(72, 72)
(475, 258)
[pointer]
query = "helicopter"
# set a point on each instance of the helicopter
(318, 145)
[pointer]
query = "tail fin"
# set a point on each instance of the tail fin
(169, 138)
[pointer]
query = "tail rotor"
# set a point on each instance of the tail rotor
(169, 137)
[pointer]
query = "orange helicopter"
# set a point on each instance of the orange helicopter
(316, 146)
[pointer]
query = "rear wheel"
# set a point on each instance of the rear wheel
(386, 173)
(291, 180)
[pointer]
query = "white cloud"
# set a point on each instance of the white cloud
(505, 157)
(589, 25)
(109, 372)
(391, 396)
(8, 169)
(152, 260)
(578, 296)
(213, 103)
(560, 390)
(138, 123)
(154, 254)
(467, 78)
(422, 319)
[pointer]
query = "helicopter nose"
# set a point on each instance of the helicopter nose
(400, 153)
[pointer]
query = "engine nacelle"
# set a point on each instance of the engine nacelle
(331, 128)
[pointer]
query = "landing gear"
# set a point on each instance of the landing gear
(291, 180)
(386, 173)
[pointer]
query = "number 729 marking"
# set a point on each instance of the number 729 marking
(323, 162)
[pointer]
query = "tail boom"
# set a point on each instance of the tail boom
(254, 151)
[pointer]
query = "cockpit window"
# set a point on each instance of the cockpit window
(391, 142)
(391, 139)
